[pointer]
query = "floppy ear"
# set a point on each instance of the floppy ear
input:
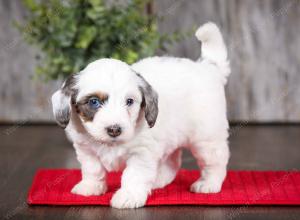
(150, 101)
(61, 101)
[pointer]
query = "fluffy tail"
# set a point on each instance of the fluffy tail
(213, 47)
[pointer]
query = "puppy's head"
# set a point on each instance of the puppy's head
(110, 99)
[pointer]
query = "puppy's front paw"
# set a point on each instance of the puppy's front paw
(206, 186)
(123, 199)
(89, 188)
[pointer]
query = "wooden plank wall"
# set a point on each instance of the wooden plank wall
(263, 38)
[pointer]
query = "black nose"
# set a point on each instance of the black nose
(114, 130)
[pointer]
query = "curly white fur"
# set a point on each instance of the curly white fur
(192, 114)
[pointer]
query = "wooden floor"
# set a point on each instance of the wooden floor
(24, 149)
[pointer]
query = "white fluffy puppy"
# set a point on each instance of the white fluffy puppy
(136, 119)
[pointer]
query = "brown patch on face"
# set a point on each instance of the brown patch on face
(83, 108)
(102, 96)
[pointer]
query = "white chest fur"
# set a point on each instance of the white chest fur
(112, 158)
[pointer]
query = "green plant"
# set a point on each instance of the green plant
(72, 33)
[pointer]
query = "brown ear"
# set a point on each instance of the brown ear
(150, 101)
(61, 101)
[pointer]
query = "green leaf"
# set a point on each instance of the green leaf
(95, 3)
(131, 56)
(72, 33)
(31, 4)
(86, 35)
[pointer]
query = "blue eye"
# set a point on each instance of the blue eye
(95, 103)
(129, 102)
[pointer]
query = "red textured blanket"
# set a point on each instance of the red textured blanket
(52, 187)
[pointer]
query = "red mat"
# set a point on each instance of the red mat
(52, 187)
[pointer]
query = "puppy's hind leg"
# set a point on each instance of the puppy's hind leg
(212, 157)
(167, 170)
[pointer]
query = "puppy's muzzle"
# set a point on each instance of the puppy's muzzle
(114, 130)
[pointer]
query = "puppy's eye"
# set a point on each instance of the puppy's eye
(129, 102)
(94, 103)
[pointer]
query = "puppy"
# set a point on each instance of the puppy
(137, 118)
